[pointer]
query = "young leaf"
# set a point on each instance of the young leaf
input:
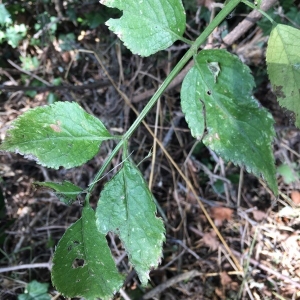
(61, 134)
(82, 262)
(35, 290)
(147, 26)
(238, 129)
(66, 191)
(283, 61)
(126, 207)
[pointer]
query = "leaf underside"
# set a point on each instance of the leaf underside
(65, 191)
(237, 127)
(147, 26)
(283, 61)
(61, 134)
(126, 207)
(82, 263)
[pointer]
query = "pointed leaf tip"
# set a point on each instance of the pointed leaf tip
(126, 207)
(216, 95)
(147, 27)
(61, 134)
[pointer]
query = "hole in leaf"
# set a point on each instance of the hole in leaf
(71, 246)
(208, 93)
(77, 263)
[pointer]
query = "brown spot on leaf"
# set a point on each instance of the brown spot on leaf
(278, 91)
(56, 127)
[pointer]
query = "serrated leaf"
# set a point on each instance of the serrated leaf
(61, 134)
(147, 26)
(237, 127)
(65, 191)
(82, 262)
(35, 291)
(283, 61)
(126, 207)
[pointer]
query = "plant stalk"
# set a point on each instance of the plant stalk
(227, 9)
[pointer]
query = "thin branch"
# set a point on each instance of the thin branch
(41, 89)
(29, 73)
(28, 266)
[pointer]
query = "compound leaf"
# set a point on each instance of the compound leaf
(65, 191)
(283, 61)
(61, 134)
(147, 26)
(82, 262)
(216, 95)
(126, 207)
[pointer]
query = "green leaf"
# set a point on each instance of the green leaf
(35, 291)
(14, 34)
(283, 61)
(237, 127)
(147, 26)
(288, 174)
(126, 207)
(61, 134)
(5, 18)
(82, 262)
(66, 191)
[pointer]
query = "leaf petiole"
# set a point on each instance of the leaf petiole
(256, 7)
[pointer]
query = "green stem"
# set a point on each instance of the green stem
(188, 55)
(187, 41)
(261, 11)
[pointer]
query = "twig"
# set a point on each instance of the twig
(124, 294)
(182, 277)
(28, 266)
(238, 202)
(41, 89)
(257, 264)
(29, 73)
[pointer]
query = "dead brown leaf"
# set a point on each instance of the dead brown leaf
(259, 215)
(295, 195)
(225, 279)
(210, 240)
(221, 214)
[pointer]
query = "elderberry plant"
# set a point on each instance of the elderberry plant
(234, 125)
